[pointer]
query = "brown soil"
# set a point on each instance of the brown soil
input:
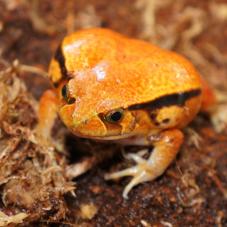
(33, 185)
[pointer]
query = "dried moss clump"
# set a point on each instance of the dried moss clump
(31, 174)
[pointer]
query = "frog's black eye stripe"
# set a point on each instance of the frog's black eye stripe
(60, 58)
(66, 95)
(114, 116)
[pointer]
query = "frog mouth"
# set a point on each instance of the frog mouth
(117, 137)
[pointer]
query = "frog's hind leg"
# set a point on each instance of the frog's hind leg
(214, 102)
(166, 146)
(208, 97)
(47, 114)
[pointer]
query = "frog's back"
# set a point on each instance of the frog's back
(120, 71)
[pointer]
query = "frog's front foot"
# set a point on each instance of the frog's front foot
(141, 172)
(166, 146)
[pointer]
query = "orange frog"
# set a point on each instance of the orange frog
(110, 87)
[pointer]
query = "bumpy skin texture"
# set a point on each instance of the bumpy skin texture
(108, 86)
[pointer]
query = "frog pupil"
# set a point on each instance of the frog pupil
(116, 116)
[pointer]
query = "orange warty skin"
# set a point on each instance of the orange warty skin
(111, 87)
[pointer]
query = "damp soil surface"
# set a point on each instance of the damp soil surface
(35, 189)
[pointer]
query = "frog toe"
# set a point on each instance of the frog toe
(140, 173)
(123, 173)
(140, 177)
(132, 171)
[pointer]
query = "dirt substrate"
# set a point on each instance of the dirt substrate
(33, 184)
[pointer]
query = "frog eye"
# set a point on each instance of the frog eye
(114, 116)
(66, 95)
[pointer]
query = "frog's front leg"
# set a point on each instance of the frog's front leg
(47, 114)
(166, 145)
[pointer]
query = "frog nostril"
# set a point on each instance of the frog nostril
(166, 120)
(71, 100)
